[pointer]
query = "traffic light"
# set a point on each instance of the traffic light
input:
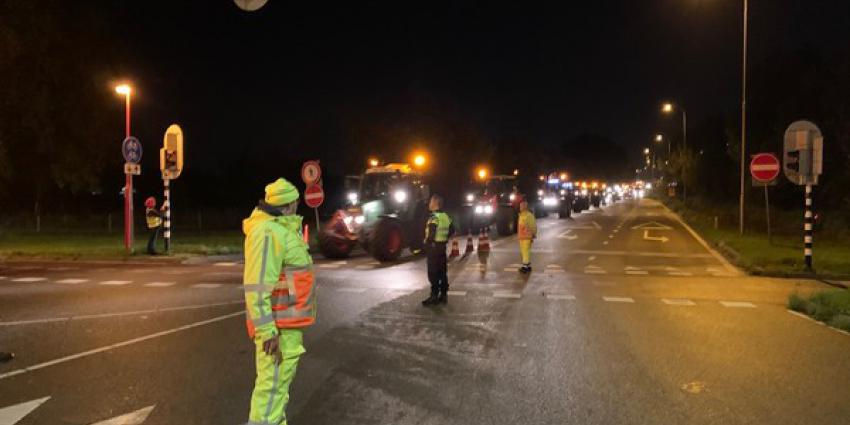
(799, 162)
(792, 161)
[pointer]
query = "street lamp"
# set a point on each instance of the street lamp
(646, 151)
(125, 90)
(743, 120)
(668, 108)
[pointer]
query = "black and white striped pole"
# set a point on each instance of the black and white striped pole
(808, 228)
(166, 206)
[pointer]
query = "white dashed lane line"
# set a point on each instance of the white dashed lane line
(737, 304)
(456, 293)
(224, 264)
(29, 279)
(511, 295)
(619, 299)
(206, 285)
(678, 301)
(560, 297)
(72, 281)
(159, 284)
(116, 282)
(352, 290)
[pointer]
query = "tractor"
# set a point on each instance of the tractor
(386, 213)
(493, 201)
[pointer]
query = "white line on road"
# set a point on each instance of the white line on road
(679, 273)
(119, 345)
(604, 242)
(159, 284)
(678, 301)
(224, 264)
(133, 418)
(456, 293)
(364, 267)
(702, 242)
(511, 269)
(637, 272)
(352, 290)
(329, 266)
(618, 299)
(72, 281)
(737, 304)
(206, 285)
(116, 282)
(512, 295)
(121, 314)
(636, 253)
(29, 279)
(560, 297)
(12, 414)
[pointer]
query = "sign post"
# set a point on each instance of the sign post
(131, 149)
(803, 164)
(171, 165)
(764, 167)
(314, 195)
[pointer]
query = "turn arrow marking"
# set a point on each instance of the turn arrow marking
(646, 236)
(567, 234)
(132, 418)
(12, 414)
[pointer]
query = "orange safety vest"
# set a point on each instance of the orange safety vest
(298, 310)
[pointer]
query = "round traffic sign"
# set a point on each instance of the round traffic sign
(314, 196)
(131, 148)
(250, 5)
(764, 167)
(311, 172)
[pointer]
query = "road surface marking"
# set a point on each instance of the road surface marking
(133, 418)
(116, 282)
(120, 314)
(726, 264)
(364, 267)
(616, 230)
(119, 345)
(177, 272)
(593, 226)
(594, 270)
(646, 237)
(679, 273)
(72, 281)
(637, 272)
(12, 414)
(512, 295)
(206, 285)
(29, 279)
(160, 284)
(352, 290)
(635, 253)
(560, 297)
(62, 269)
(567, 234)
(678, 301)
(610, 236)
(456, 293)
(329, 266)
(737, 304)
(591, 258)
(604, 242)
(2, 277)
(224, 264)
(652, 225)
(511, 269)
(618, 299)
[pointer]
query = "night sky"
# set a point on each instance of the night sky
(290, 79)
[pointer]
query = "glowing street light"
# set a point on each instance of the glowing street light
(482, 173)
(419, 160)
(516, 172)
(373, 162)
(646, 151)
(659, 138)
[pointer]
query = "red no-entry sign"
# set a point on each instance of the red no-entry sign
(314, 196)
(764, 167)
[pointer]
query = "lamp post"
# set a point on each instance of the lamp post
(743, 121)
(668, 108)
(125, 89)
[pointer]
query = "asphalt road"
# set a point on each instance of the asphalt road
(626, 319)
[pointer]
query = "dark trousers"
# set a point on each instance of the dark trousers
(438, 269)
(152, 241)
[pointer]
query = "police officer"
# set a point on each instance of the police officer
(438, 230)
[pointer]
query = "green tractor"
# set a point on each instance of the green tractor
(386, 213)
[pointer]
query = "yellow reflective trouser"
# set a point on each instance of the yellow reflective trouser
(271, 389)
(525, 250)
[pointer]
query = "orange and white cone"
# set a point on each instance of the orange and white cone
(483, 241)
(455, 249)
(469, 245)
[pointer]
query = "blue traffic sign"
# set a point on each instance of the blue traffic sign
(131, 148)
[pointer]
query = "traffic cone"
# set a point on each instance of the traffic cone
(455, 249)
(469, 246)
(307, 233)
(483, 241)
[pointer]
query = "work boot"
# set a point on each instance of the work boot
(526, 268)
(432, 300)
(443, 298)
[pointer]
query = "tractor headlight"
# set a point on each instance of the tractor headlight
(347, 220)
(512, 197)
(352, 197)
(488, 209)
(479, 209)
(400, 196)
(563, 192)
(549, 201)
(360, 219)
(539, 193)
(470, 197)
(584, 192)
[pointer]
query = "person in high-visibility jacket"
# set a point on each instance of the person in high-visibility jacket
(153, 219)
(280, 298)
(438, 230)
(526, 232)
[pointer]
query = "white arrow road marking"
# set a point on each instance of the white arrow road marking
(567, 234)
(661, 239)
(652, 225)
(12, 414)
(132, 418)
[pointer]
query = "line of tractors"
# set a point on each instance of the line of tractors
(387, 207)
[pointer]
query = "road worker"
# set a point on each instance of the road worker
(153, 217)
(526, 232)
(438, 230)
(280, 298)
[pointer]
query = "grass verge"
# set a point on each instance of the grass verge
(830, 307)
(781, 256)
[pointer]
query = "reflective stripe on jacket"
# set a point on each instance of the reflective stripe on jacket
(153, 218)
(442, 223)
(279, 283)
(527, 226)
